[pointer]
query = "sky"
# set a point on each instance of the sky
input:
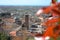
(26, 2)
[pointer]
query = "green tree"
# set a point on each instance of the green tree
(3, 36)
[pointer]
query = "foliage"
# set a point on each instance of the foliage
(30, 38)
(3, 36)
(58, 38)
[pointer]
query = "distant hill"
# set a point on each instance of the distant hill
(20, 10)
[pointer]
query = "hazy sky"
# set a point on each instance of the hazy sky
(26, 2)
